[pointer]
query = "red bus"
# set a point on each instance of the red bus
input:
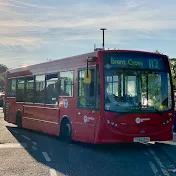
(107, 96)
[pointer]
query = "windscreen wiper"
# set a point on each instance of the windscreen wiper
(139, 108)
(159, 112)
(123, 113)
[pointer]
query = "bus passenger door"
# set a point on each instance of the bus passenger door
(88, 102)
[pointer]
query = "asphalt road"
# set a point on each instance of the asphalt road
(27, 153)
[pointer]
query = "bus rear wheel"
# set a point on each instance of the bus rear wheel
(66, 131)
(19, 119)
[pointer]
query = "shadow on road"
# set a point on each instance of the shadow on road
(84, 159)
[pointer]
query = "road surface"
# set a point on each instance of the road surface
(27, 153)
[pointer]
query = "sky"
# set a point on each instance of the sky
(34, 31)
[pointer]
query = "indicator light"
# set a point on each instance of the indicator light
(116, 125)
(108, 121)
(112, 123)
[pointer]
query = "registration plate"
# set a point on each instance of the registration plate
(141, 139)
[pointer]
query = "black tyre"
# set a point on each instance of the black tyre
(66, 131)
(19, 119)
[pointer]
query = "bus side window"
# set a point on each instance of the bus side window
(52, 89)
(86, 92)
(11, 87)
(66, 83)
(98, 89)
(40, 89)
(20, 90)
(29, 89)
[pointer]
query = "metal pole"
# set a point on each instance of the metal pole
(103, 29)
(103, 39)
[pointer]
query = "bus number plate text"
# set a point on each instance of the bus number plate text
(141, 139)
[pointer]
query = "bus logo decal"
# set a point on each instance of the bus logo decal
(108, 66)
(65, 103)
(87, 119)
(139, 120)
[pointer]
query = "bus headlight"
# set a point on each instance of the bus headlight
(112, 123)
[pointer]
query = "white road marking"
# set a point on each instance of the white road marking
(26, 137)
(15, 131)
(159, 163)
(146, 154)
(47, 158)
(34, 143)
(13, 145)
(34, 148)
(153, 167)
(53, 172)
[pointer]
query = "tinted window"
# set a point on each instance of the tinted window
(12, 87)
(86, 92)
(52, 89)
(66, 83)
(40, 89)
(20, 90)
(29, 89)
(98, 89)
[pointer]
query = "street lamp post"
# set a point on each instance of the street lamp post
(103, 29)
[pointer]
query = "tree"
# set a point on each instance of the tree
(3, 70)
(172, 62)
(173, 70)
(158, 52)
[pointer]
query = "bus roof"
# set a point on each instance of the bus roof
(54, 65)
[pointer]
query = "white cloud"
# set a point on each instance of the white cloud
(114, 18)
(2, 4)
(26, 42)
(26, 26)
(31, 5)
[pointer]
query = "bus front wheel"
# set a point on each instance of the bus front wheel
(66, 130)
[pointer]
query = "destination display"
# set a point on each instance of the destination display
(127, 60)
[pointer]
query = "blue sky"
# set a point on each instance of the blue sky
(33, 30)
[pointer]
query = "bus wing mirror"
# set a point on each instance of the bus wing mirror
(162, 107)
(87, 74)
(87, 77)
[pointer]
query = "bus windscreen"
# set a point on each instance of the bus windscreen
(136, 82)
